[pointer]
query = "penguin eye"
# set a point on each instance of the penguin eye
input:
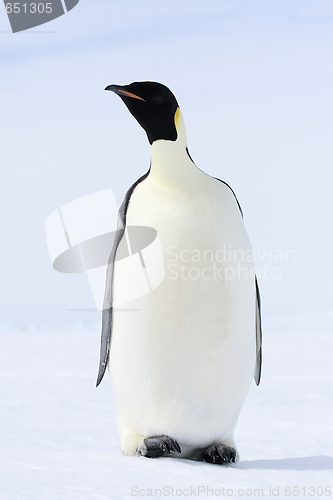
(158, 99)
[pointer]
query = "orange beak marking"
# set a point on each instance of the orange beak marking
(129, 94)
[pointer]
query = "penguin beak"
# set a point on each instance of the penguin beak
(121, 92)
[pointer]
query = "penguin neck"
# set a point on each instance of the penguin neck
(170, 161)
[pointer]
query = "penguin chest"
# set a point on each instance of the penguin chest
(189, 342)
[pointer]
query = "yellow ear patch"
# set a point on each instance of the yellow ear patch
(177, 114)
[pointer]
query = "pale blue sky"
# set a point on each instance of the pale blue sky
(253, 79)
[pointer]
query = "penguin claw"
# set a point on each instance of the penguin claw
(157, 445)
(220, 454)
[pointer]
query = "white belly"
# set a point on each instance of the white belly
(181, 365)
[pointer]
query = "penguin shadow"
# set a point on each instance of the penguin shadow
(321, 462)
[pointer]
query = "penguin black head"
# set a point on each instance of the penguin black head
(153, 105)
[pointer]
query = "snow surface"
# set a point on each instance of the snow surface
(59, 438)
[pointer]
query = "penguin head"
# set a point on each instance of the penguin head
(153, 105)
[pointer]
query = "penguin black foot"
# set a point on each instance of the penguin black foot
(220, 454)
(156, 446)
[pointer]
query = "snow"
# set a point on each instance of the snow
(59, 438)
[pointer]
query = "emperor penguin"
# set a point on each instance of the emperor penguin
(182, 360)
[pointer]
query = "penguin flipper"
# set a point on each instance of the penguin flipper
(107, 304)
(257, 371)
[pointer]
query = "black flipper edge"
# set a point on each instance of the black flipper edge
(107, 305)
(257, 371)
